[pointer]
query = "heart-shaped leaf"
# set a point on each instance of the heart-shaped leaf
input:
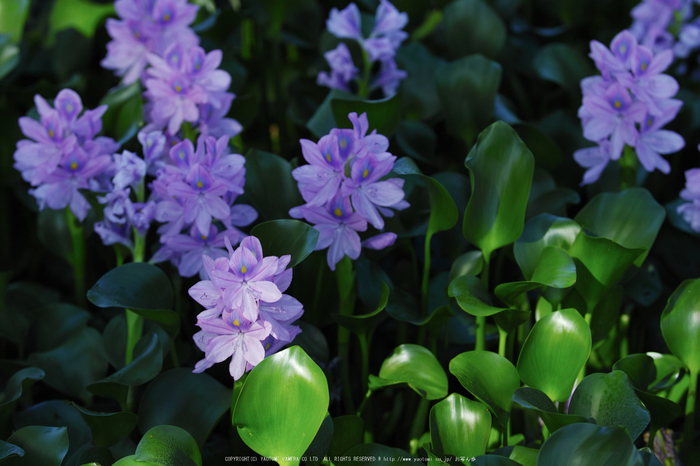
(611, 401)
(459, 427)
(280, 420)
(16, 385)
(282, 237)
(46, 446)
(108, 428)
(490, 377)
(531, 398)
(562, 64)
(415, 366)
(680, 324)
(168, 446)
(539, 233)
(472, 297)
(554, 352)
(500, 169)
(348, 431)
(471, 26)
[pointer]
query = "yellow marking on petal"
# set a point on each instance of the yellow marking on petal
(365, 173)
(73, 165)
(236, 323)
(644, 66)
(243, 269)
(136, 34)
(178, 88)
(69, 108)
(166, 17)
(51, 133)
(267, 346)
(618, 104)
(182, 155)
(623, 48)
(343, 143)
(197, 66)
(204, 237)
(149, 143)
(199, 184)
(328, 156)
(338, 212)
(649, 122)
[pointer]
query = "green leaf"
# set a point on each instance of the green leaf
(282, 237)
(562, 64)
(472, 297)
(269, 185)
(467, 89)
(78, 362)
(459, 427)
(640, 370)
(383, 115)
(469, 263)
(8, 450)
(82, 15)
(554, 352)
(416, 140)
(415, 366)
(197, 405)
(680, 324)
(631, 218)
(363, 324)
(492, 460)
(589, 444)
(555, 269)
(419, 94)
(491, 378)
(500, 169)
(55, 323)
(524, 456)
(531, 398)
(45, 446)
(443, 211)
(471, 26)
(611, 401)
(539, 233)
(13, 15)
(648, 457)
(16, 385)
(52, 230)
(323, 121)
(268, 413)
(348, 431)
(108, 428)
(140, 287)
(669, 371)
(168, 446)
(322, 441)
(374, 454)
(141, 370)
(9, 59)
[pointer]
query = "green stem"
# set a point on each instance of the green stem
(363, 89)
(364, 349)
(426, 273)
(78, 257)
(364, 402)
(582, 372)
(502, 342)
(134, 326)
(623, 327)
(481, 320)
(690, 408)
(346, 283)
(418, 425)
(629, 164)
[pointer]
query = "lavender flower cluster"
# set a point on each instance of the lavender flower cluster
(386, 37)
(63, 153)
(691, 210)
(247, 316)
(667, 25)
(628, 105)
(343, 189)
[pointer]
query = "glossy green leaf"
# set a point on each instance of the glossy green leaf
(383, 115)
(492, 460)
(196, 406)
(539, 233)
(562, 64)
(269, 185)
(680, 324)
(469, 263)
(267, 412)
(13, 15)
(108, 428)
(322, 441)
(81, 15)
(500, 169)
(8, 450)
(649, 457)
(140, 287)
(365, 323)
(554, 352)
(313, 342)
(640, 370)
(287, 236)
(141, 370)
(415, 366)
(471, 26)
(77, 363)
(631, 218)
(611, 401)
(583, 444)
(9, 59)
(45, 446)
(472, 297)
(555, 269)
(524, 456)
(168, 446)
(374, 454)
(531, 398)
(443, 211)
(89, 455)
(323, 121)
(459, 427)
(669, 370)
(16, 385)
(467, 89)
(490, 377)
(600, 263)
(348, 431)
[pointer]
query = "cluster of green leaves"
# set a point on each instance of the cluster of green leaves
(518, 319)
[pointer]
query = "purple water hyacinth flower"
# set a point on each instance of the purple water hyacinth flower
(113, 233)
(388, 19)
(389, 77)
(654, 141)
(691, 210)
(594, 159)
(346, 23)
(195, 246)
(646, 82)
(130, 169)
(343, 70)
(153, 144)
(652, 20)
(320, 181)
(381, 241)
(213, 121)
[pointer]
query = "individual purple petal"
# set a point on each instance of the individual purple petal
(345, 24)
(380, 241)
